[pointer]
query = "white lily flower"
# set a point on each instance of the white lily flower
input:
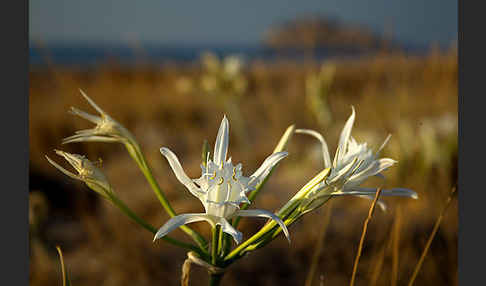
(87, 172)
(353, 163)
(221, 188)
(106, 129)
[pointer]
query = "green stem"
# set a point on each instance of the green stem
(271, 235)
(214, 244)
(128, 212)
(263, 236)
(264, 230)
(137, 155)
(215, 279)
(220, 242)
(226, 243)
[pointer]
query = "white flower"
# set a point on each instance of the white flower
(353, 163)
(106, 129)
(87, 172)
(221, 188)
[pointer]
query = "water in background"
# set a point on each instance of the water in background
(86, 55)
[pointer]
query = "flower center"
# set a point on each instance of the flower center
(224, 190)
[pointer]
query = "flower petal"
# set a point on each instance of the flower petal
(344, 138)
(66, 172)
(266, 214)
(318, 136)
(266, 167)
(95, 106)
(89, 138)
(183, 219)
(374, 168)
(93, 118)
(372, 191)
(179, 172)
(222, 142)
(343, 171)
(229, 229)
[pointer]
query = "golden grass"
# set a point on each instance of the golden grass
(363, 234)
(431, 237)
(413, 98)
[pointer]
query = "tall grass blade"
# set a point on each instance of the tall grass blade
(65, 276)
(363, 234)
(431, 237)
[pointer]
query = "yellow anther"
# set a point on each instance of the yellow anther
(221, 181)
(234, 174)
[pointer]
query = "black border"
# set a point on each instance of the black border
(15, 140)
(471, 246)
(15, 153)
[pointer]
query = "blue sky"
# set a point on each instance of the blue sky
(229, 21)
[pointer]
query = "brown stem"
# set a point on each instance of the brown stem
(363, 234)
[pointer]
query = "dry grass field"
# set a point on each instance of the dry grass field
(412, 98)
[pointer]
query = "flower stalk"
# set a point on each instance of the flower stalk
(94, 178)
(109, 130)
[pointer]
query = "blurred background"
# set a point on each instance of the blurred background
(169, 70)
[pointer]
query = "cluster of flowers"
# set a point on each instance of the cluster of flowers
(222, 187)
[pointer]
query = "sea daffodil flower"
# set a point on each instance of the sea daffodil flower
(106, 129)
(91, 175)
(221, 188)
(353, 163)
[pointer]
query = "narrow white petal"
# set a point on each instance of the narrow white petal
(266, 214)
(229, 229)
(74, 159)
(89, 138)
(266, 167)
(93, 118)
(66, 172)
(344, 138)
(179, 172)
(85, 132)
(318, 136)
(374, 168)
(95, 106)
(222, 142)
(183, 219)
(372, 191)
(336, 157)
(343, 171)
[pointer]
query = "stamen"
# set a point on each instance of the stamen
(234, 175)
(221, 182)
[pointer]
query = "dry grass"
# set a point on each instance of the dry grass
(414, 99)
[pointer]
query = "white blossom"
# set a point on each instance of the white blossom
(353, 163)
(221, 188)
